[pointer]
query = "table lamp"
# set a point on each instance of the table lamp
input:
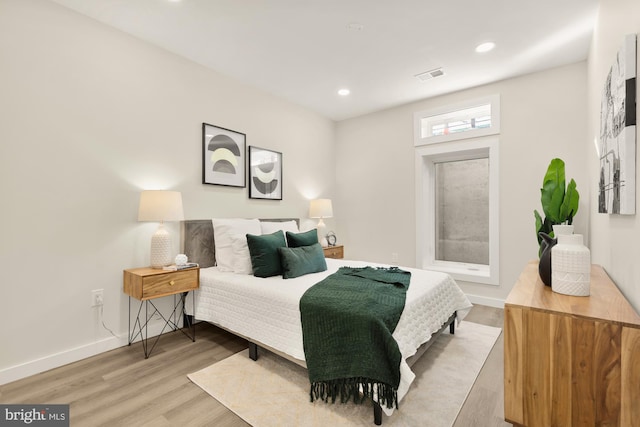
(321, 208)
(160, 206)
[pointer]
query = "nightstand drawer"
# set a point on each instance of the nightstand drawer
(166, 284)
(146, 284)
(334, 252)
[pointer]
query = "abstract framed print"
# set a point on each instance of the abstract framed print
(265, 174)
(223, 156)
(617, 150)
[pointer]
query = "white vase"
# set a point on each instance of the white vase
(570, 266)
(562, 229)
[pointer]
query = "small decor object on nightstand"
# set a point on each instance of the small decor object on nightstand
(176, 267)
(181, 259)
(331, 238)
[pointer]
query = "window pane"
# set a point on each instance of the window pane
(457, 121)
(462, 211)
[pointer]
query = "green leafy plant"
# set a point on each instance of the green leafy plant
(559, 204)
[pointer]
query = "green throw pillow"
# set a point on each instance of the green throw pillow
(308, 238)
(265, 259)
(303, 260)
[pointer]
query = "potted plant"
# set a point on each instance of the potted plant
(560, 205)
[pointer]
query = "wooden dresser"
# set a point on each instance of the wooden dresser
(568, 360)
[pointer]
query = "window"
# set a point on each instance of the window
(457, 206)
(473, 119)
(462, 211)
(457, 121)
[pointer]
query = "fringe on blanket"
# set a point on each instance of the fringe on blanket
(357, 389)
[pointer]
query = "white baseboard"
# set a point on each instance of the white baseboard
(491, 302)
(33, 367)
(62, 358)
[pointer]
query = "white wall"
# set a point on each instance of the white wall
(613, 237)
(543, 116)
(89, 117)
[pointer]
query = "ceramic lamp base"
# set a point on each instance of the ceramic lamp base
(322, 231)
(161, 248)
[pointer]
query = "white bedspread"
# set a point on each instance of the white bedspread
(267, 309)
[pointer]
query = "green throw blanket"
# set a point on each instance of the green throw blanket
(347, 324)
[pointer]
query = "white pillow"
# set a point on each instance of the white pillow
(223, 231)
(269, 227)
(241, 255)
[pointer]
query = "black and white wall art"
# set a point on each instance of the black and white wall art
(265, 174)
(223, 156)
(617, 150)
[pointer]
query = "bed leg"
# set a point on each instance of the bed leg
(377, 413)
(253, 351)
(452, 325)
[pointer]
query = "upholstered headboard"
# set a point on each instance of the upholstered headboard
(196, 239)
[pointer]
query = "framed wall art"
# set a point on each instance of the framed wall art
(223, 156)
(265, 174)
(617, 184)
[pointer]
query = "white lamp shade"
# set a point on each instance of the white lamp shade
(160, 206)
(320, 208)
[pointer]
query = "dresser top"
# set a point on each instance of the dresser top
(606, 302)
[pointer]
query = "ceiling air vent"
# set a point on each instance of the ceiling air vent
(431, 74)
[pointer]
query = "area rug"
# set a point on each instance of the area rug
(275, 392)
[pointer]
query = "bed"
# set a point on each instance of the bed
(266, 312)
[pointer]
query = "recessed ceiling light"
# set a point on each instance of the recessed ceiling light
(485, 47)
(344, 92)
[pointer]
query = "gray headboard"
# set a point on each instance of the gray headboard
(196, 239)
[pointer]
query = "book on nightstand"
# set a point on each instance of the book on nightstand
(174, 267)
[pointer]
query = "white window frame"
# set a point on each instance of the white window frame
(494, 129)
(426, 158)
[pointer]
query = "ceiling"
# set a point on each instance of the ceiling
(305, 50)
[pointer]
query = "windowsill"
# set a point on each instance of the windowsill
(476, 273)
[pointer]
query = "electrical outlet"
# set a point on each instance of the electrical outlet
(97, 296)
(394, 257)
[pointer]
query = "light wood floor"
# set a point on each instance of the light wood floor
(121, 388)
(484, 406)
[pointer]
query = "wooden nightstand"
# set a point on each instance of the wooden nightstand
(334, 252)
(146, 284)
